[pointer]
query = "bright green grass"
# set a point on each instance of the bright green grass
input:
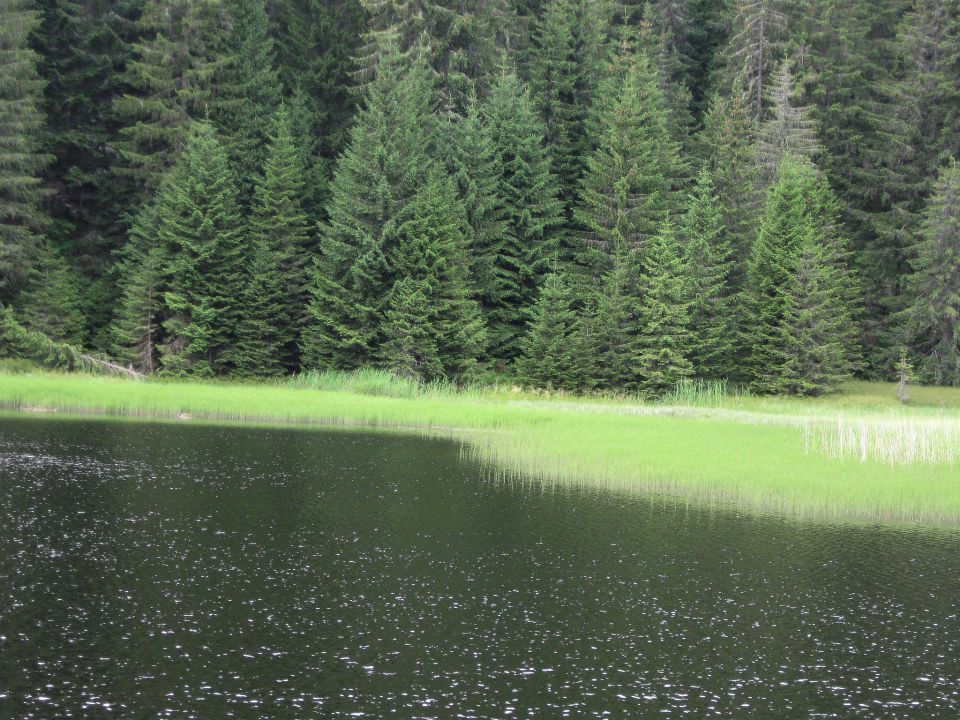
(746, 451)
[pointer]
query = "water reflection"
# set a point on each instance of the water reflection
(200, 572)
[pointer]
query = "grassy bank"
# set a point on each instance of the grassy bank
(775, 455)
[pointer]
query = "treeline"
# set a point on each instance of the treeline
(583, 193)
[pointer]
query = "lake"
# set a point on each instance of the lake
(194, 571)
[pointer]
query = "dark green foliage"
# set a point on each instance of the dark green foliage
(727, 151)
(563, 68)
(83, 47)
(931, 321)
(169, 77)
(610, 324)
(456, 38)
(432, 326)
(198, 225)
(709, 258)
(634, 177)
(797, 281)
(528, 193)
(475, 171)
(136, 330)
(388, 160)
(664, 341)
(265, 333)
(329, 236)
(281, 235)
(316, 41)
(50, 303)
(247, 90)
(816, 342)
(548, 358)
(22, 217)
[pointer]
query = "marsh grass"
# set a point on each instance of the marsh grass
(751, 452)
(894, 441)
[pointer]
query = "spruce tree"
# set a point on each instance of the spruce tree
(83, 47)
(169, 76)
(815, 350)
(528, 193)
(264, 330)
(755, 49)
(664, 341)
(136, 329)
(634, 177)
(388, 160)
(433, 327)
(790, 130)
(613, 317)
(281, 234)
(316, 41)
(562, 69)
(475, 171)
(22, 217)
(547, 359)
(50, 301)
(930, 324)
(800, 210)
(247, 90)
(726, 149)
(456, 38)
(709, 257)
(199, 226)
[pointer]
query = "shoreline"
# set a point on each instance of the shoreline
(752, 454)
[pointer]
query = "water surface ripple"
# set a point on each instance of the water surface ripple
(177, 571)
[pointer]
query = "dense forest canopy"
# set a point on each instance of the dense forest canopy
(586, 194)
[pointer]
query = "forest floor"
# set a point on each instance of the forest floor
(858, 455)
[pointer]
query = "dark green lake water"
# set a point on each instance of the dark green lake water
(178, 571)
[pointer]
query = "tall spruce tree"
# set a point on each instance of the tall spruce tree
(726, 149)
(83, 48)
(664, 340)
(800, 211)
(709, 257)
(755, 48)
(281, 234)
(389, 158)
(931, 322)
(136, 330)
(432, 325)
(315, 43)
(475, 171)
(456, 38)
(634, 177)
(815, 349)
(264, 332)
(22, 216)
(528, 193)
(563, 67)
(613, 322)
(247, 90)
(199, 226)
(174, 61)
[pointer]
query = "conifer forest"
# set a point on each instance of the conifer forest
(582, 195)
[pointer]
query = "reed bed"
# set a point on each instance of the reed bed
(758, 454)
(893, 441)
